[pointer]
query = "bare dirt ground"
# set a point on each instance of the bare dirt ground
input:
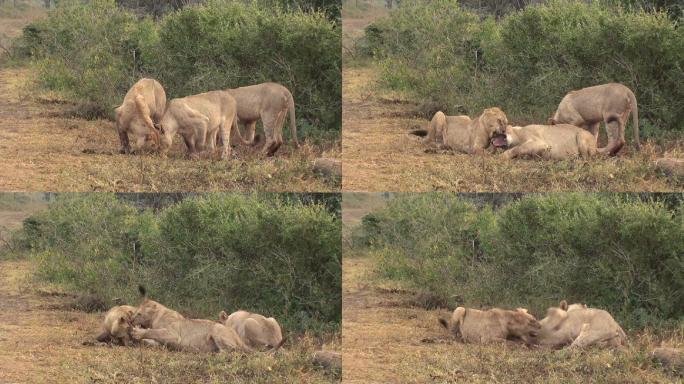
(44, 147)
(379, 154)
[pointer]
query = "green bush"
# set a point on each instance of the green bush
(619, 253)
(530, 59)
(95, 51)
(200, 256)
(88, 52)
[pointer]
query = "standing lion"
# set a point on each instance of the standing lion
(607, 103)
(143, 105)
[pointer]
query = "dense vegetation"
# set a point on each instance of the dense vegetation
(527, 60)
(94, 51)
(622, 253)
(266, 253)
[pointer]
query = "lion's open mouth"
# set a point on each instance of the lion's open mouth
(499, 141)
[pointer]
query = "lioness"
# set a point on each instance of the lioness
(579, 326)
(199, 119)
(607, 103)
(494, 325)
(269, 102)
(557, 142)
(255, 330)
(143, 105)
(117, 325)
(169, 328)
(466, 135)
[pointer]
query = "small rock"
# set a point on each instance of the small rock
(670, 357)
(330, 360)
(327, 167)
(670, 166)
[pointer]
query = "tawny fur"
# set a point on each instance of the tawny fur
(463, 134)
(167, 327)
(117, 325)
(200, 119)
(270, 103)
(142, 106)
(579, 327)
(610, 104)
(256, 330)
(494, 325)
(557, 142)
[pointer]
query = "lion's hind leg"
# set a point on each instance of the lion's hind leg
(589, 336)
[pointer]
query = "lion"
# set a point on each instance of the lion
(607, 103)
(269, 102)
(200, 119)
(579, 327)
(255, 330)
(117, 325)
(557, 142)
(494, 325)
(143, 105)
(161, 325)
(466, 135)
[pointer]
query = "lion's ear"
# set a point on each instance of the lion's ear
(444, 323)
(223, 316)
(523, 310)
(122, 320)
(563, 305)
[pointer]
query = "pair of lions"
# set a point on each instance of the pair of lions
(155, 324)
(576, 326)
(572, 132)
(204, 119)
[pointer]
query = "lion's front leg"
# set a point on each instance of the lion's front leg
(161, 335)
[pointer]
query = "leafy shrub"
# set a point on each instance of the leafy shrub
(618, 253)
(530, 59)
(89, 51)
(95, 51)
(200, 256)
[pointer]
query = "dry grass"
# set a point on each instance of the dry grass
(379, 154)
(45, 149)
(42, 340)
(386, 340)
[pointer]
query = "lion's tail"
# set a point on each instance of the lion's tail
(144, 112)
(238, 134)
(635, 119)
(419, 132)
(293, 120)
(142, 290)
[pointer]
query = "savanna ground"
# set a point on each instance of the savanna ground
(379, 154)
(388, 337)
(46, 146)
(42, 336)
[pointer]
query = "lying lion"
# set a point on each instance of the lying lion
(167, 327)
(117, 325)
(269, 102)
(255, 330)
(557, 142)
(199, 119)
(143, 105)
(494, 325)
(580, 327)
(610, 104)
(466, 135)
